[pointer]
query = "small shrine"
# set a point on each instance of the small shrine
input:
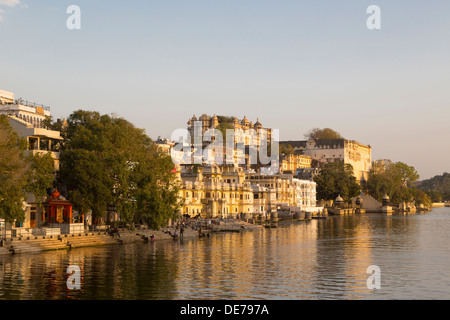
(59, 209)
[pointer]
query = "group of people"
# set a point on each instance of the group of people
(178, 232)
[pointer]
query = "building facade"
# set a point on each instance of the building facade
(348, 151)
(215, 191)
(288, 191)
(247, 135)
(28, 121)
(291, 162)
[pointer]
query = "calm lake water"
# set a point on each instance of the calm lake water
(319, 259)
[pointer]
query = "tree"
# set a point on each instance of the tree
(439, 185)
(40, 175)
(286, 149)
(323, 134)
(13, 170)
(393, 179)
(157, 190)
(106, 162)
(421, 198)
(223, 127)
(336, 178)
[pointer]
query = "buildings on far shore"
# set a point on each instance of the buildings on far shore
(324, 151)
(227, 191)
(210, 190)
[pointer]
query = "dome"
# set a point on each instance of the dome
(386, 197)
(339, 199)
(55, 194)
(257, 123)
(245, 121)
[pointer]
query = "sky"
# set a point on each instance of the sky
(295, 65)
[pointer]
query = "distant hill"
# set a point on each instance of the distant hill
(439, 184)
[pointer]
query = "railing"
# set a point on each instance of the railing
(32, 104)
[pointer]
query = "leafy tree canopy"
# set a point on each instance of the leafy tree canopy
(437, 187)
(40, 175)
(13, 172)
(107, 162)
(286, 149)
(394, 179)
(336, 178)
(323, 134)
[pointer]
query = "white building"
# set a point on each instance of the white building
(27, 120)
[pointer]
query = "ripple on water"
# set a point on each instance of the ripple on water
(315, 260)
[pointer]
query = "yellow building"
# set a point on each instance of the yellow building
(292, 162)
(215, 191)
(348, 151)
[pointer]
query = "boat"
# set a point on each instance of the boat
(319, 218)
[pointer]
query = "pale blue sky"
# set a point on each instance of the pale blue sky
(294, 64)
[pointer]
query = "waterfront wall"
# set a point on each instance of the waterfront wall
(438, 204)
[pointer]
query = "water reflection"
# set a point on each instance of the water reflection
(320, 259)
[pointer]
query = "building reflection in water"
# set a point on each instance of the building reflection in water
(319, 259)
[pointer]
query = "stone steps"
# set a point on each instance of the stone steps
(27, 246)
(86, 241)
(4, 250)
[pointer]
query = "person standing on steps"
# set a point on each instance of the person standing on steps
(181, 232)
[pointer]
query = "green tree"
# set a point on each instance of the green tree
(393, 179)
(286, 149)
(13, 171)
(108, 162)
(336, 178)
(223, 127)
(157, 189)
(440, 185)
(421, 197)
(40, 176)
(435, 196)
(323, 134)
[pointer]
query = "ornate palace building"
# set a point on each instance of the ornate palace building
(227, 191)
(246, 134)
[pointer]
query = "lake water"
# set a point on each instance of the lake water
(319, 259)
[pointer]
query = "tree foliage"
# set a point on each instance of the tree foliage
(394, 179)
(40, 175)
(422, 198)
(323, 134)
(286, 149)
(107, 162)
(336, 178)
(437, 187)
(13, 172)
